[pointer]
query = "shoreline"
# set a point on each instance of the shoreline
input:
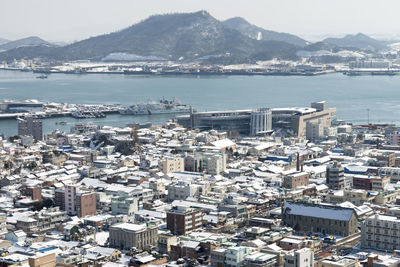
(178, 73)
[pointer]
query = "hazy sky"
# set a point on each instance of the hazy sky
(69, 20)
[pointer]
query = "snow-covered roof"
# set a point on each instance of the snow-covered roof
(223, 143)
(319, 211)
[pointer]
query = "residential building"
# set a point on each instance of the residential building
(381, 232)
(32, 126)
(335, 176)
(172, 164)
(85, 204)
(218, 257)
(69, 201)
(340, 262)
(165, 240)
(16, 236)
(259, 259)
(394, 138)
(294, 180)
(314, 130)
(42, 221)
(182, 220)
(367, 182)
(124, 205)
(182, 190)
(34, 192)
(43, 260)
(300, 258)
(77, 202)
(235, 256)
(209, 162)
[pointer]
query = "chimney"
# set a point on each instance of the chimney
(298, 162)
(191, 117)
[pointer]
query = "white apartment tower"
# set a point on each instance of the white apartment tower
(260, 121)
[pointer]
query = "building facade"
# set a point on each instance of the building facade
(209, 162)
(260, 121)
(182, 220)
(172, 164)
(325, 219)
(335, 176)
(30, 126)
(300, 258)
(294, 180)
(127, 235)
(381, 232)
(241, 121)
(124, 205)
(86, 204)
(77, 202)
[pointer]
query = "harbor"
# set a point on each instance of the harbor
(11, 109)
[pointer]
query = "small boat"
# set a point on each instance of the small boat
(42, 76)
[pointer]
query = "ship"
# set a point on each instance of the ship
(162, 106)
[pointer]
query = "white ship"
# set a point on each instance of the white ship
(157, 107)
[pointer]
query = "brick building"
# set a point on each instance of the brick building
(85, 204)
(182, 220)
(294, 180)
(34, 192)
(325, 219)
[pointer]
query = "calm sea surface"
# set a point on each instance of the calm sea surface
(352, 96)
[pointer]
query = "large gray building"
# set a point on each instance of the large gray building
(128, 235)
(325, 219)
(30, 125)
(259, 121)
(247, 121)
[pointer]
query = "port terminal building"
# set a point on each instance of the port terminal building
(263, 120)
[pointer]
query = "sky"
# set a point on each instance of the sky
(71, 20)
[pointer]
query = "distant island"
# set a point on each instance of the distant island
(193, 37)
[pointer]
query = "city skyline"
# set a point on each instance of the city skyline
(310, 19)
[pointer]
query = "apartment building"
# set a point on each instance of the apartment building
(259, 259)
(182, 220)
(182, 190)
(381, 232)
(367, 182)
(77, 202)
(86, 204)
(172, 164)
(124, 205)
(335, 176)
(209, 162)
(300, 258)
(41, 222)
(32, 126)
